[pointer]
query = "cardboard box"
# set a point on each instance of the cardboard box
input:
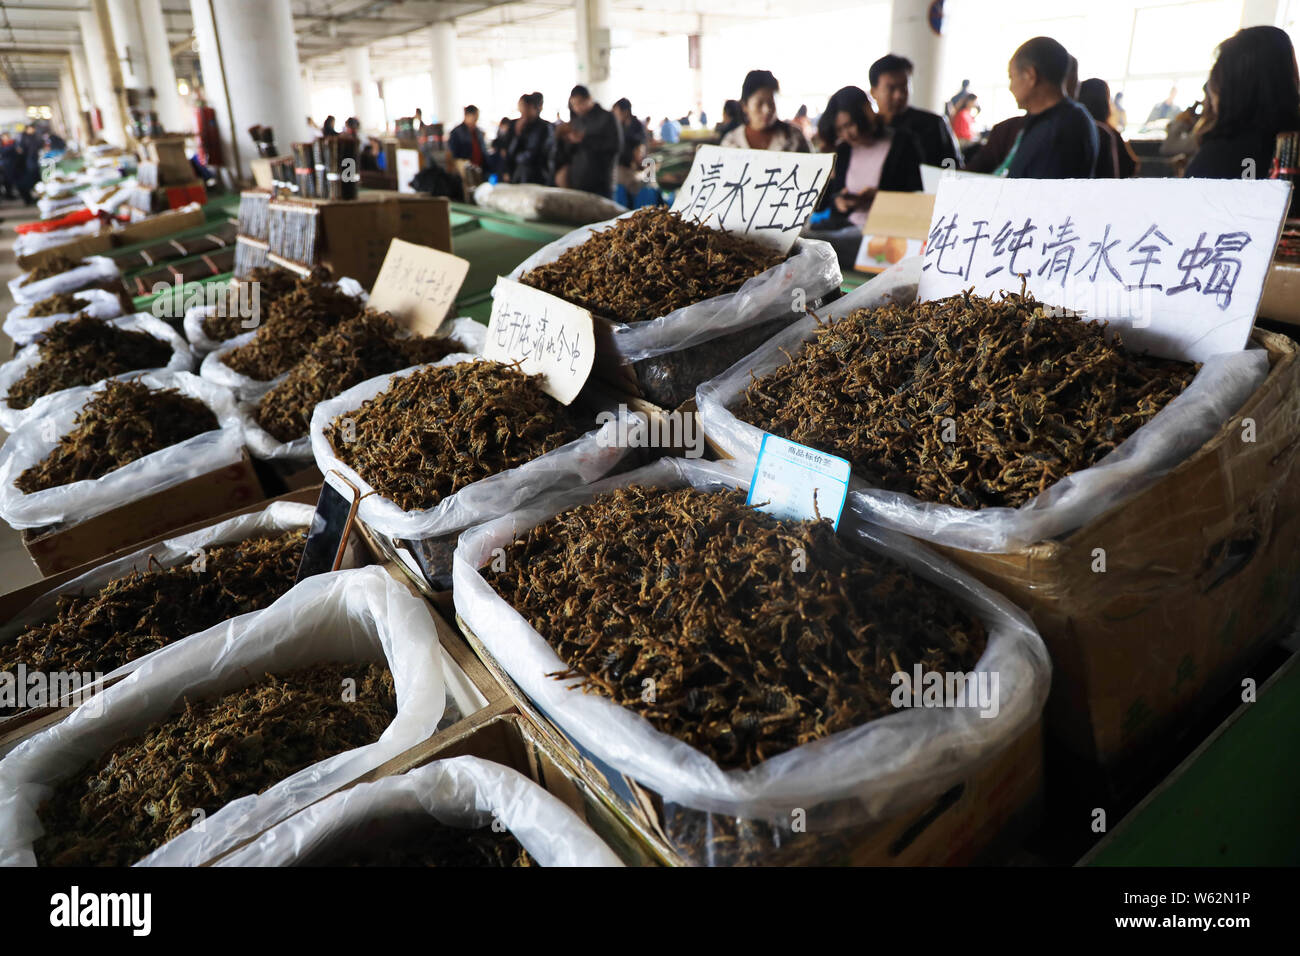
(981, 819)
(167, 153)
(79, 248)
(352, 236)
(897, 227)
(1281, 299)
(1202, 573)
(205, 497)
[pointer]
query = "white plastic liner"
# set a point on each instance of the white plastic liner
(262, 444)
(884, 766)
(30, 243)
(1222, 385)
(92, 270)
(23, 329)
(812, 269)
(81, 500)
(359, 615)
(580, 461)
(214, 367)
(182, 360)
(466, 792)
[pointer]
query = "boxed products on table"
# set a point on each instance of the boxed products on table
(740, 671)
(1063, 470)
(106, 620)
(82, 351)
(675, 301)
(252, 362)
(122, 461)
(27, 323)
(437, 448)
(267, 713)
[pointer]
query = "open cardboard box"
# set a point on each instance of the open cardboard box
(981, 820)
(206, 496)
(1202, 575)
(481, 717)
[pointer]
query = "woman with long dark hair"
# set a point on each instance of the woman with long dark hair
(869, 157)
(762, 129)
(1254, 94)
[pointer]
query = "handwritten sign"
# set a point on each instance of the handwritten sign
(1177, 266)
(766, 196)
(418, 284)
(799, 483)
(545, 334)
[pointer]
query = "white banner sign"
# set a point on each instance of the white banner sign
(766, 196)
(1176, 265)
(545, 334)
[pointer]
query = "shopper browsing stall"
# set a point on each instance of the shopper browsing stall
(762, 129)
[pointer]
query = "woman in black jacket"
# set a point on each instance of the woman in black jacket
(869, 157)
(1254, 93)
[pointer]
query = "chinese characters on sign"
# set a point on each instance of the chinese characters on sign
(767, 196)
(1177, 265)
(795, 482)
(418, 284)
(545, 334)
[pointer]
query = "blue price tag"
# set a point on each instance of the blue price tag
(787, 477)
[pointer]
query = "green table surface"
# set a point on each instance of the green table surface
(144, 303)
(1232, 802)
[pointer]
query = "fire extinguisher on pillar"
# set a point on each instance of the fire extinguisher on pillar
(205, 121)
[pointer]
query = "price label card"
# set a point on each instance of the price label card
(418, 284)
(765, 196)
(1177, 266)
(798, 483)
(545, 334)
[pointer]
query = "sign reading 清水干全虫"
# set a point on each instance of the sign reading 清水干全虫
(1176, 265)
(765, 196)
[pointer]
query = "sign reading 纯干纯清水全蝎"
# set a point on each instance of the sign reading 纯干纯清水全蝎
(765, 196)
(1177, 266)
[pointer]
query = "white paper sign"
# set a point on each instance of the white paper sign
(1177, 266)
(766, 196)
(798, 483)
(418, 284)
(548, 336)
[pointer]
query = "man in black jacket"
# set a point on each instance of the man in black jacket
(1059, 138)
(528, 156)
(891, 88)
(588, 146)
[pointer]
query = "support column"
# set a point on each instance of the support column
(593, 49)
(251, 74)
(103, 97)
(913, 35)
(365, 100)
(172, 113)
(446, 93)
(1260, 13)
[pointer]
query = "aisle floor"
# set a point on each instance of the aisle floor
(16, 568)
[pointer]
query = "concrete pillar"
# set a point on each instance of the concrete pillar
(1260, 13)
(101, 85)
(81, 77)
(365, 98)
(593, 49)
(172, 113)
(446, 92)
(251, 74)
(911, 34)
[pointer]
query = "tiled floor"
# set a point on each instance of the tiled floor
(16, 569)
